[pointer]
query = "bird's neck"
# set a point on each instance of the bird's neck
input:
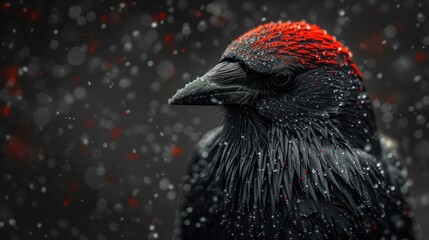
(250, 155)
(243, 124)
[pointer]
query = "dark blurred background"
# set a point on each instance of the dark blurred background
(91, 150)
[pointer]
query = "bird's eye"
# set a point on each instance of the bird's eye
(281, 79)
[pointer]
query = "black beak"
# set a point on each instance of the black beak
(219, 86)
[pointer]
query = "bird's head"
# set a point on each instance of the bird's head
(286, 73)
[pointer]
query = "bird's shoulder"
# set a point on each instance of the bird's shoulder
(398, 186)
(201, 150)
(392, 162)
(207, 140)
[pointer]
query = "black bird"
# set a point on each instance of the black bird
(299, 155)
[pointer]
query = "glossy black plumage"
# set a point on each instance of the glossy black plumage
(302, 160)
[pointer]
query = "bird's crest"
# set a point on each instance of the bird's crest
(279, 45)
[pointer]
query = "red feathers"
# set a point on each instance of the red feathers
(293, 44)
